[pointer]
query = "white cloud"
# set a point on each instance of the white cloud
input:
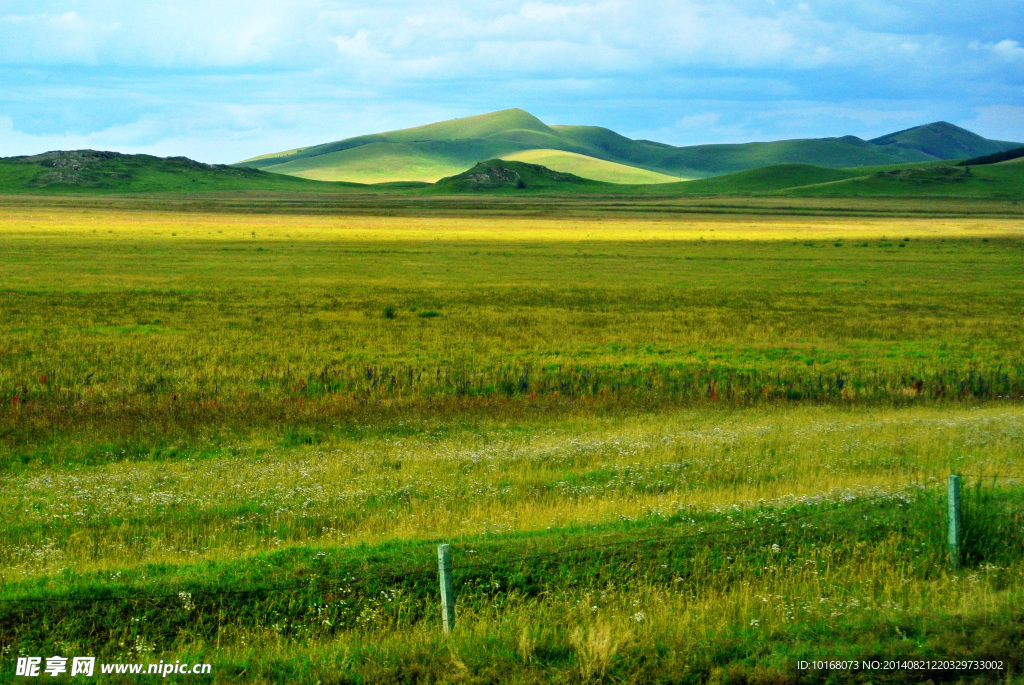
(184, 33)
(357, 46)
(52, 38)
(1009, 50)
(538, 11)
(999, 121)
(725, 122)
(593, 36)
(706, 120)
(229, 133)
(679, 70)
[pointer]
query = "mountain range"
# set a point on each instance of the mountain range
(91, 172)
(428, 153)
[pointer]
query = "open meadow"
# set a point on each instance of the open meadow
(681, 440)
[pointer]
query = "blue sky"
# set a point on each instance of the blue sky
(222, 80)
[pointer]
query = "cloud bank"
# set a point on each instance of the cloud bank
(221, 80)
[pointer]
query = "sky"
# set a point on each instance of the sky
(223, 80)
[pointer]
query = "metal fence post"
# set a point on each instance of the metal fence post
(444, 567)
(955, 527)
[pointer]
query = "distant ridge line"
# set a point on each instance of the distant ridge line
(443, 149)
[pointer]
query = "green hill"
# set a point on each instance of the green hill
(758, 181)
(87, 171)
(91, 171)
(510, 177)
(503, 176)
(427, 153)
(379, 163)
(707, 160)
(424, 153)
(1004, 180)
(608, 145)
(836, 153)
(593, 168)
(996, 181)
(943, 140)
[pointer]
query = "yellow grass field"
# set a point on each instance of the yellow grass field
(119, 225)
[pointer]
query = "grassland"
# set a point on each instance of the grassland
(670, 440)
(424, 153)
(1003, 180)
(180, 182)
(590, 167)
(377, 163)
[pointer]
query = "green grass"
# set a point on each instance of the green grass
(589, 167)
(930, 179)
(834, 568)
(253, 419)
(802, 317)
(910, 180)
(384, 162)
(473, 127)
(762, 180)
(988, 181)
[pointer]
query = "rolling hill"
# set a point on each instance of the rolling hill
(590, 167)
(499, 175)
(994, 181)
(943, 140)
(997, 181)
(424, 153)
(776, 177)
(433, 151)
(92, 171)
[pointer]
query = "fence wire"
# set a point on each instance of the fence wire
(324, 584)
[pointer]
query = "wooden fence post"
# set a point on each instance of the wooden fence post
(444, 567)
(955, 527)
